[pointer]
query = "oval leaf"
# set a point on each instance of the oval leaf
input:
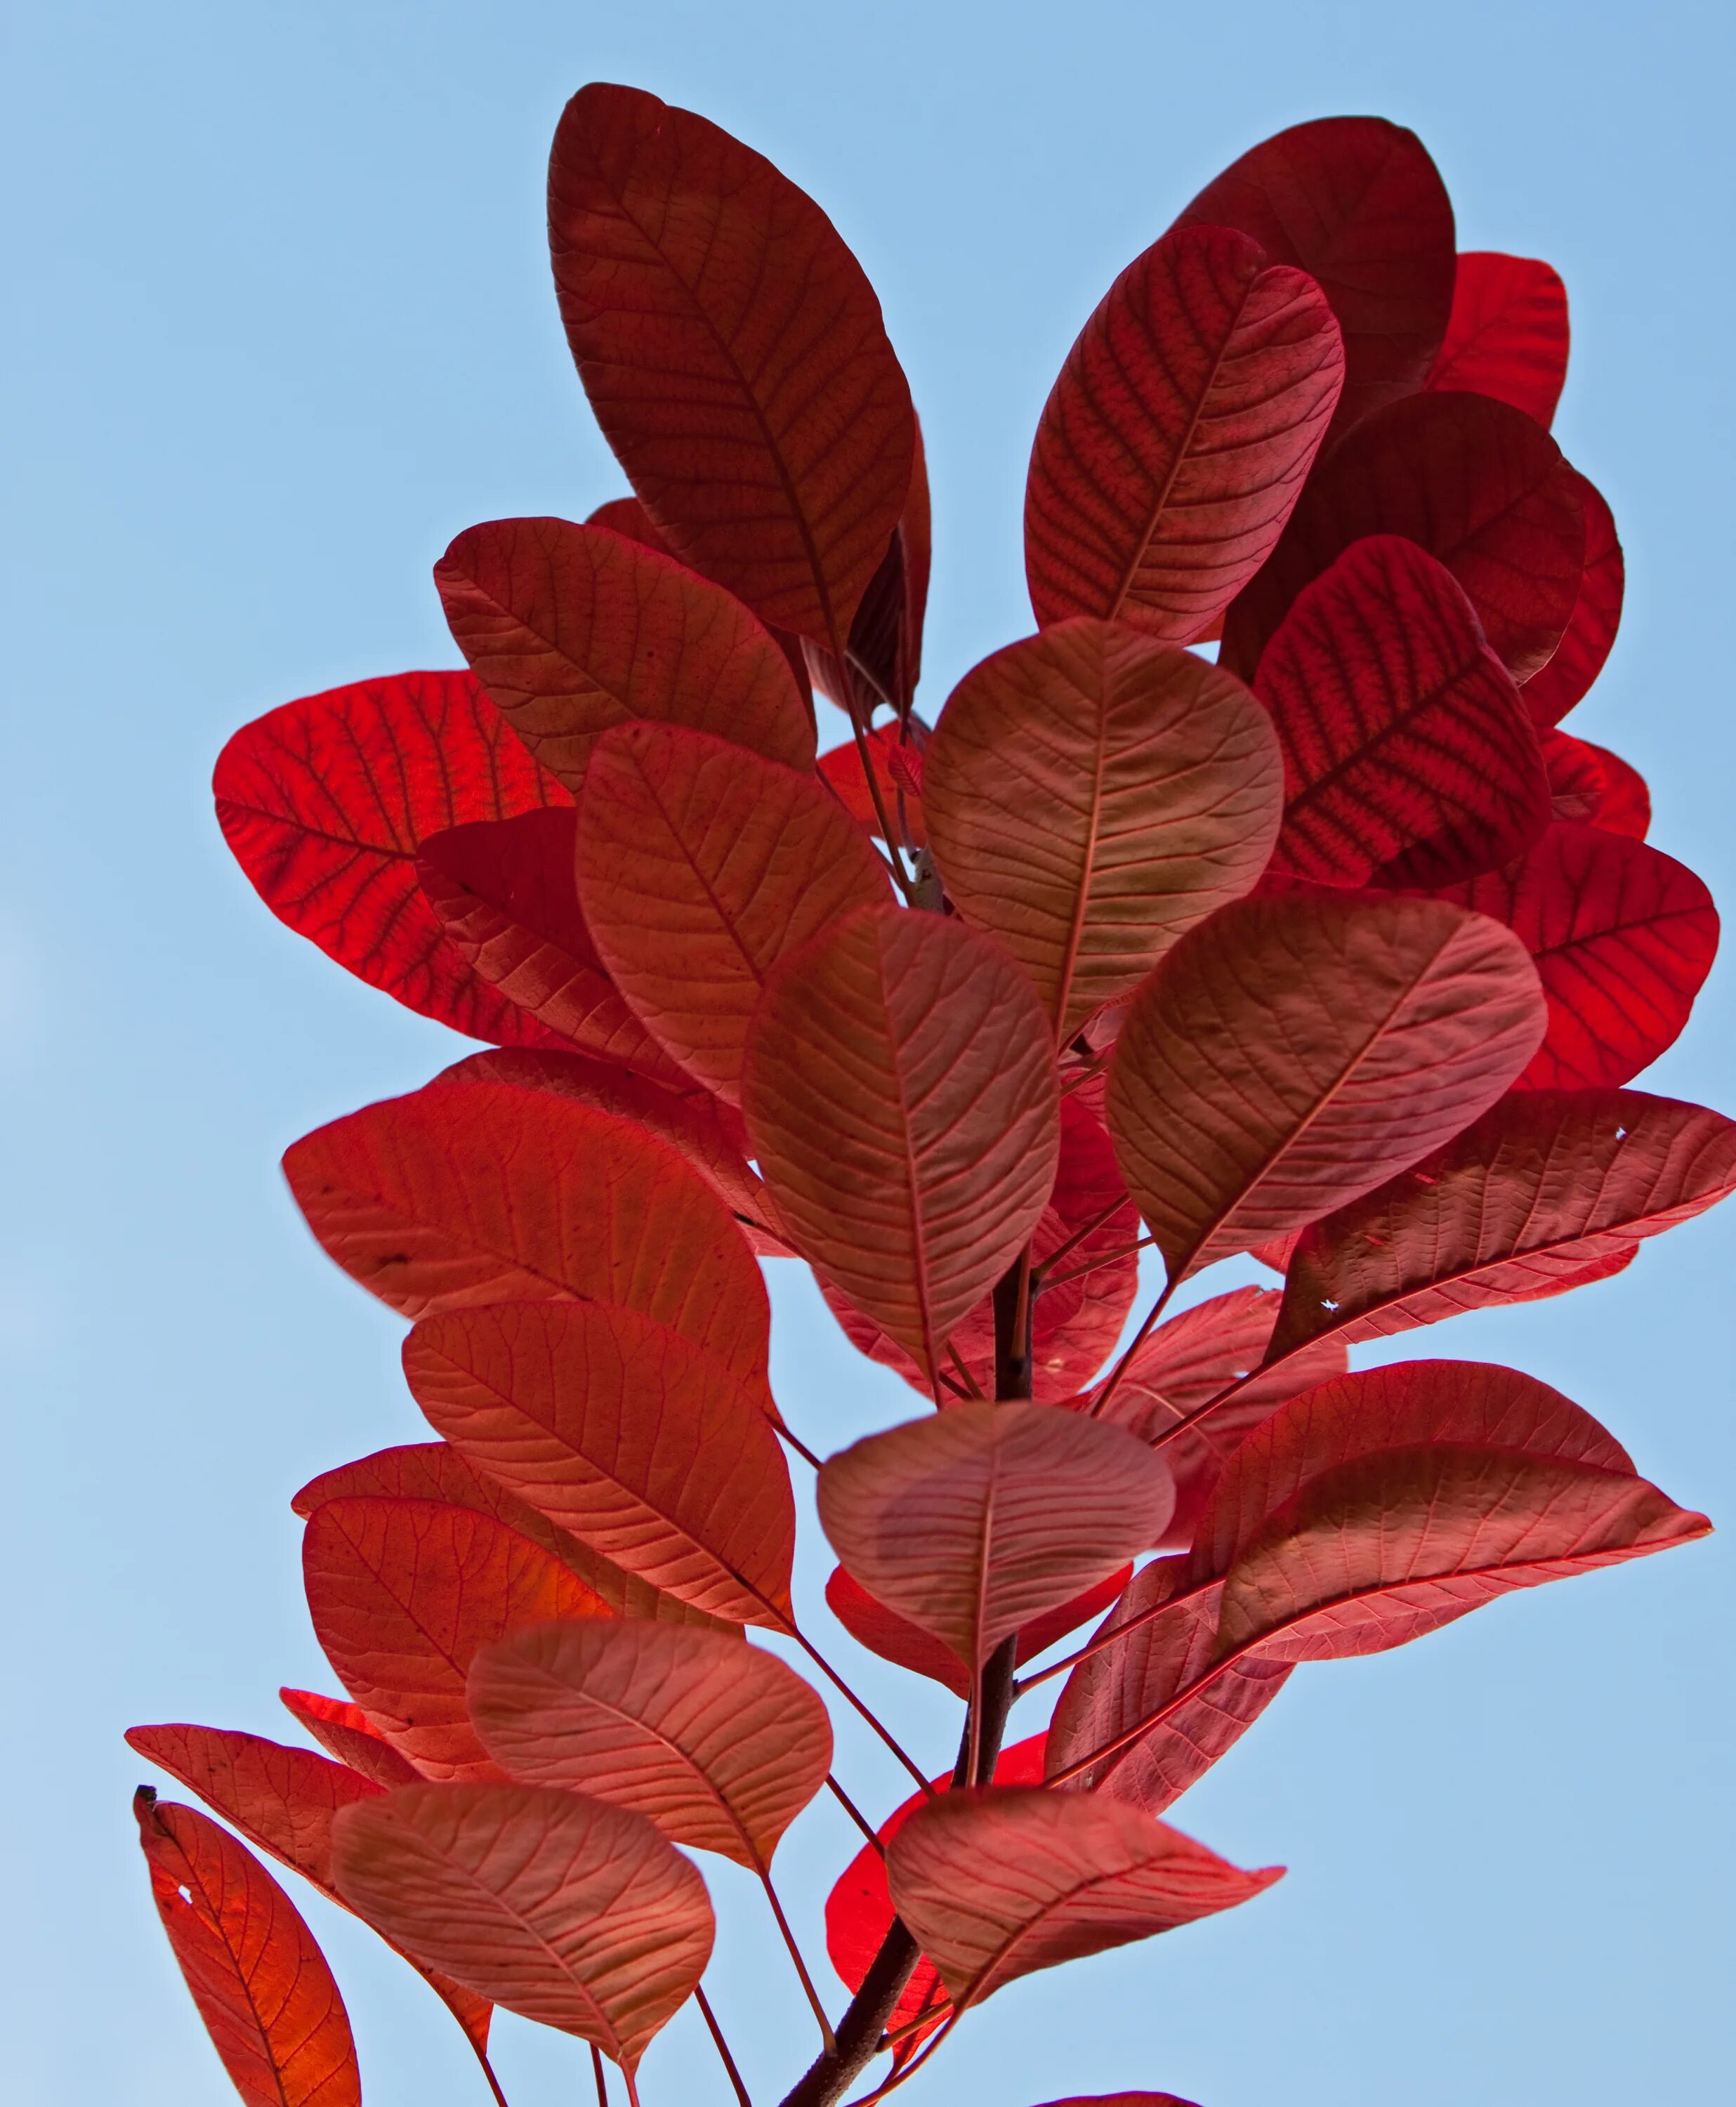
(572, 1913)
(326, 804)
(1178, 435)
(720, 1744)
(402, 1593)
(1408, 755)
(734, 354)
(996, 1882)
(700, 866)
(972, 1523)
(259, 1979)
(1292, 1053)
(1090, 795)
(451, 1198)
(901, 1097)
(1577, 660)
(1507, 336)
(641, 1445)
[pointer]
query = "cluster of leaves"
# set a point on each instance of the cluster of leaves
(1337, 951)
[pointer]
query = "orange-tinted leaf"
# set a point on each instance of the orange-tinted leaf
(1358, 204)
(1375, 1508)
(971, 1523)
(326, 804)
(1577, 660)
(998, 1882)
(1091, 794)
(901, 1097)
(734, 355)
(402, 1593)
(1507, 336)
(700, 865)
(1178, 435)
(1292, 1053)
(260, 1982)
(644, 1447)
(1408, 755)
(570, 1913)
(503, 891)
(720, 1744)
(841, 766)
(448, 1199)
(345, 1733)
(1548, 1189)
(1623, 937)
(435, 1470)
(896, 1638)
(573, 629)
(1476, 483)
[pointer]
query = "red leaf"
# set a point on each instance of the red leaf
(1507, 336)
(1408, 756)
(1550, 1189)
(885, 635)
(915, 1183)
(1575, 777)
(433, 1471)
(1000, 1880)
(647, 1449)
(503, 891)
(733, 353)
(1358, 204)
(1625, 806)
(326, 803)
(573, 629)
(343, 1730)
(1178, 435)
(1577, 660)
(971, 1524)
(1477, 484)
(1091, 794)
(896, 1639)
(1623, 937)
(449, 1198)
(699, 867)
(841, 766)
(402, 1593)
(1125, 2099)
(720, 1744)
(1292, 1053)
(259, 1978)
(572, 1913)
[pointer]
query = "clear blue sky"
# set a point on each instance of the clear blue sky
(280, 325)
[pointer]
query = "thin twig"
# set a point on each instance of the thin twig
(1134, 1344)
(597, 2071)
(796, 1443)
(850, 1698)
(1086, 1229)
(1106, 1638)
(789, 1937)
(710, 2018)
(1102, 1259)
(973, 1389)
(856, 1814)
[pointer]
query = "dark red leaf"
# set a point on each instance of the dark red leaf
(1577, 660)
(326, 804)
(734, 355)
(1178, 435)
(1477, 484)
(1576, 776)
(886, 636)
(1358, 204)
(1507, 336)
(1408, 756)
(1124, 2099)
(1625, 806)
(841, 766)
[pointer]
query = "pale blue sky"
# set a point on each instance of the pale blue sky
(281, 325)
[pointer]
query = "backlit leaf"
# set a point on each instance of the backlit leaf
(1625, 806)
(1476, 483)
(1292, 1053)
(402, 1593)
(1000, 1880)
(699, 866)
(1178, 435)
(1507, 336)
(568, 1912)
(734, 355)
(1550, 1187)
(451, 1198)
(347, 1735)
(901, 1097)
(643, 1446)
(1577, 660)
(971, 1523)
(841, 766)
(1125, 2099)
(573, 629)
(260, 1982)
(326, 802)
(1090, 795)
(1358, 204)
(1576, 776)
(1408, 755)
(719, 1744)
